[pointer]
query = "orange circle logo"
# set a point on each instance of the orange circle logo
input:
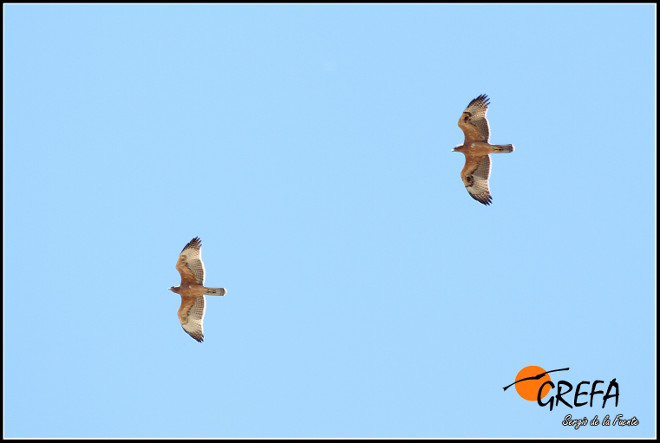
(529, 389)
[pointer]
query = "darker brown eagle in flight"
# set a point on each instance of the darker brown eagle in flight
(476, 148)
(192, 289)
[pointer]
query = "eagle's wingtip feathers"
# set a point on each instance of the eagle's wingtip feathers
(194, 243)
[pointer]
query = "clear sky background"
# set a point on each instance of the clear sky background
(309, 146)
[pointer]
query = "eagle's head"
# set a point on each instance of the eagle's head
(457, 148)
(174, 289)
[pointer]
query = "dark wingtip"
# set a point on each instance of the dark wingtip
(483, 99)
(483, 200)
(194, 243)
(199, 338)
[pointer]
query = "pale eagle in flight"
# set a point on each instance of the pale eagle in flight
(476, 148)
(192, 289)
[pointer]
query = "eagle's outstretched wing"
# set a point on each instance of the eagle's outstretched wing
(190, 264)
(475, 175)
(475, 125)
(191, 315)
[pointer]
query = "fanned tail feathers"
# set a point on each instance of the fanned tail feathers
(215, 291)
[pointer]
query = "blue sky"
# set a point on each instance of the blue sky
(309, 146)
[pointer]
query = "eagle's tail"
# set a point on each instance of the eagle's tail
(502, 148)
(215, 291)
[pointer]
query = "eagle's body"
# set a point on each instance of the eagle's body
(477, 150)
(474, 149)
(192, 289)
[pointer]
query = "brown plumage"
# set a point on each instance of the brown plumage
(192, 289)
(476, 149)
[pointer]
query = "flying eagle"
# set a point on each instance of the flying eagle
(476, 148)
(192, 289)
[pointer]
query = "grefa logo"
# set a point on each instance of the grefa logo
(534, 383)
